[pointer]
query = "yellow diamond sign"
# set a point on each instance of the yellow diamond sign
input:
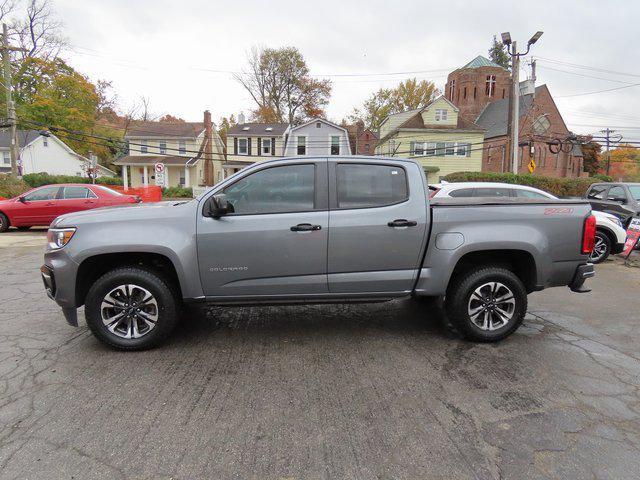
(531, 166)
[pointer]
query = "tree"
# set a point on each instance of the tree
(591, 156)
(224, 125)
(498, 53)
(281, 87)
(625, 164)
(168, 118)
(408, 95)
(52, 94)
(39, 32)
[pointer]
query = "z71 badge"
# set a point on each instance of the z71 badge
(558, 211)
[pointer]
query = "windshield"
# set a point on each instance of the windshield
(635, 191)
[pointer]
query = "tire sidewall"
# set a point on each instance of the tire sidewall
(164, 297)
(607, 244)
(4, 222)
(459, 300)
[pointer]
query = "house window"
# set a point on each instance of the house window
(449, 148)
(430, 149)
(182, 147)
(266, 146)
(45, 141)
(461, 149)
(452, 89)
(182, 178)
(6, 158)
(541, 125)
(318, 125)
(441, 114)
(302, 145)
(243, 146)
(392, 147)
(474, 92)
(163, 147)
(335, 145)
(144, 146)
(490, 85)
(464, 95)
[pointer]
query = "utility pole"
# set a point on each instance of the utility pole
(515, 93)
(14, 148)
(608, 133)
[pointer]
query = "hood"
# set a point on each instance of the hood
(128, 213)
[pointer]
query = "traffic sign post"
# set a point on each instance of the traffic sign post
(159, 171)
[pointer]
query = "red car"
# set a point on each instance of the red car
(39, 206)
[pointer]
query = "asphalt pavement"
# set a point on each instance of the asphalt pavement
(381, 391)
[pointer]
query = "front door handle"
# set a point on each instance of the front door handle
(401, 222)
(305, 227)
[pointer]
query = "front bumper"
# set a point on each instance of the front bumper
(59, 278)
(582, 273)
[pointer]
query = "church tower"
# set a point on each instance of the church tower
(479, 82)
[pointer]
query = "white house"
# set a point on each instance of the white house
(47, 154)
(317, 137)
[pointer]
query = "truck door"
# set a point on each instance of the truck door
(377, 226)
(275, 241)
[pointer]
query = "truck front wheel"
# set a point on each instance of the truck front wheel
(486, 304)
(130, 308)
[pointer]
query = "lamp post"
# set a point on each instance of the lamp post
(515, 94)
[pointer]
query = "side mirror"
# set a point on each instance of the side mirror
(21, 199)
(217, 206)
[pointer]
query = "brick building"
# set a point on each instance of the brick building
(362, 140)
(481, 90)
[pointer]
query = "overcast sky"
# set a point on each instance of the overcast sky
(163, 49)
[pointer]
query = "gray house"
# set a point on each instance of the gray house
(317, 137)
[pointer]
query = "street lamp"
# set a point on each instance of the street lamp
(514, 98)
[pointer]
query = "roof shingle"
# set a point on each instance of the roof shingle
(164, 129)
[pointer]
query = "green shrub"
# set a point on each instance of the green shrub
(42, 178)
(11, 187)
(177, 192)
(560, 187)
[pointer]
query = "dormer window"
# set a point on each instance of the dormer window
(182, 147)
(318, 124)
(269, 129)
(163, 146)
(441, 114)
(245, 129)
(144, 146)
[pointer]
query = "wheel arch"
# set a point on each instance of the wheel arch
(520, 262)
(95, 266)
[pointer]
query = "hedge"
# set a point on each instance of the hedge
(42, 178)
(560, 187)
(177, 192)
(11, 187)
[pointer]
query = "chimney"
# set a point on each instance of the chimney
(208, 149)
(240, 118)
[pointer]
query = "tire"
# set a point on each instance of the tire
(4, 223)
(110, 309)
(601, 249)
(495, 320)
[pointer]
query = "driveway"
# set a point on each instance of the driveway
(382, 391)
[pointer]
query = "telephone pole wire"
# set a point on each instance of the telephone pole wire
(608, 133)
(14, 148)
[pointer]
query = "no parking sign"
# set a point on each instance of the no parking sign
(158, 168)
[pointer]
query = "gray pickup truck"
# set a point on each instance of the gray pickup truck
(314, 230)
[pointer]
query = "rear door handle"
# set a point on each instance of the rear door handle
(401, 222)
(305, 227)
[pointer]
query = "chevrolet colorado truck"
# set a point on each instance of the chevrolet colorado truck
(315, 230)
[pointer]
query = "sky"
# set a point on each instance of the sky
(178, 53)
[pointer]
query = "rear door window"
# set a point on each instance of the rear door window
(368, 185)
(70, 193)
(492, 192)
(616, 193)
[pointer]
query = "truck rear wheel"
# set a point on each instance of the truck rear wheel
(130, 309)
(487, 304)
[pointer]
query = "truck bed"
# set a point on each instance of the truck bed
(471, 201)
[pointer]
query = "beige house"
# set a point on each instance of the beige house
(249, 143)
(437, 136)
(179, 146)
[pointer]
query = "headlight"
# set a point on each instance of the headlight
(59, 237)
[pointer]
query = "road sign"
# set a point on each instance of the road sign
(158, 168)
(532, 166)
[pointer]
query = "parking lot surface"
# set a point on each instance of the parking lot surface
(381, 391)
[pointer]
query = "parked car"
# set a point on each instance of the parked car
(619, 199)
(610, 234)
(39, 206)
(315, 230)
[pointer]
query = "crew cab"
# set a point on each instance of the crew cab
(39, 206)
(315, 230)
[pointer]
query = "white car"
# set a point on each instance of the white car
(610, 234)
